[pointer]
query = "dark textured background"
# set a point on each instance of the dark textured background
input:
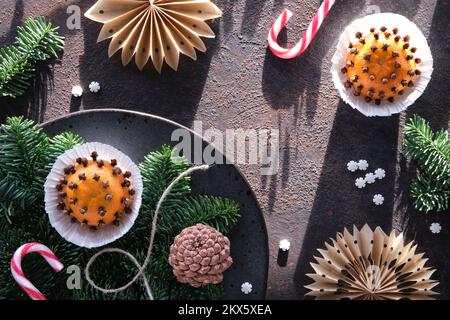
(237, 83)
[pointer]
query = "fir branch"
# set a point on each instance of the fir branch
(23, 153)
(217, 212)
(158, 170)
(37, 40)
(27, 155)
(429, 195)
(431, 151)
(57, 146)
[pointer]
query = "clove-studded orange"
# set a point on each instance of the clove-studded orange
(380, 65)
(95, 192)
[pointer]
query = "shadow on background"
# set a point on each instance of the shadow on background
(34, 102)
(338, 204)
(172, 94)
(433, 105)
(293, 84)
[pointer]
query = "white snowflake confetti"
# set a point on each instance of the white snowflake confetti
(246, 287)
(363, 165)
(370, 178)
(435, 227)
(360, 183)
(77, 91)
(380, 173)
(94, 86)
(285, 245)
(352, 166)
(378, 199)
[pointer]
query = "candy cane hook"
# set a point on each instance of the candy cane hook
(307, 37)
(19, 276)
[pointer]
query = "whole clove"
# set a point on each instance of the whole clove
(127, 174)
(117, 171)
(101, 211)
(100, 163)
(72, 185)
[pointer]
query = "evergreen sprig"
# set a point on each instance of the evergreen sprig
(27, 154)
(37, 40)
(431, 151)
(23, 151)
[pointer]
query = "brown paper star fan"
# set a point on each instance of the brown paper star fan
(371, 265)
(156, 29)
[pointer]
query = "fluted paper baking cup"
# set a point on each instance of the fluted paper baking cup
(75, 232)
(418, 40)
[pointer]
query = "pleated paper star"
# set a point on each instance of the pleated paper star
(371, 265)
(154, 29)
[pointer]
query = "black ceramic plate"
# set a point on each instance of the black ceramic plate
(136, 134)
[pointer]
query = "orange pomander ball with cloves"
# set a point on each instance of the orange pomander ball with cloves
(95, 192)
(380, 65)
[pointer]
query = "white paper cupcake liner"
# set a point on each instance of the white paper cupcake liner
(418, 40)
(75, 232)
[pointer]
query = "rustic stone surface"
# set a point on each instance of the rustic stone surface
(237, 83)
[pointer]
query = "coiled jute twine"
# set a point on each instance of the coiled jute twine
(142, 267)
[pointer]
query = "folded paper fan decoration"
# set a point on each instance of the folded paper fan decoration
(156, 29)
(371, 265)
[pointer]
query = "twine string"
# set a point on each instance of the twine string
(141, 268)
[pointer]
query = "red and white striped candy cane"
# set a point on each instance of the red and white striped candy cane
(307, 37)
(16, 267)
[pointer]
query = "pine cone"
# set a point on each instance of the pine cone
(199, 255)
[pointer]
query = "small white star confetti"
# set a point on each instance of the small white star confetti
(380, 173)
(246, 287)
(378, 199)
(370, 178)
(352, 166)
(435, 227)
(363, 165)
(94, 86)
(284, 245)
(360, 183)
(77, 91)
